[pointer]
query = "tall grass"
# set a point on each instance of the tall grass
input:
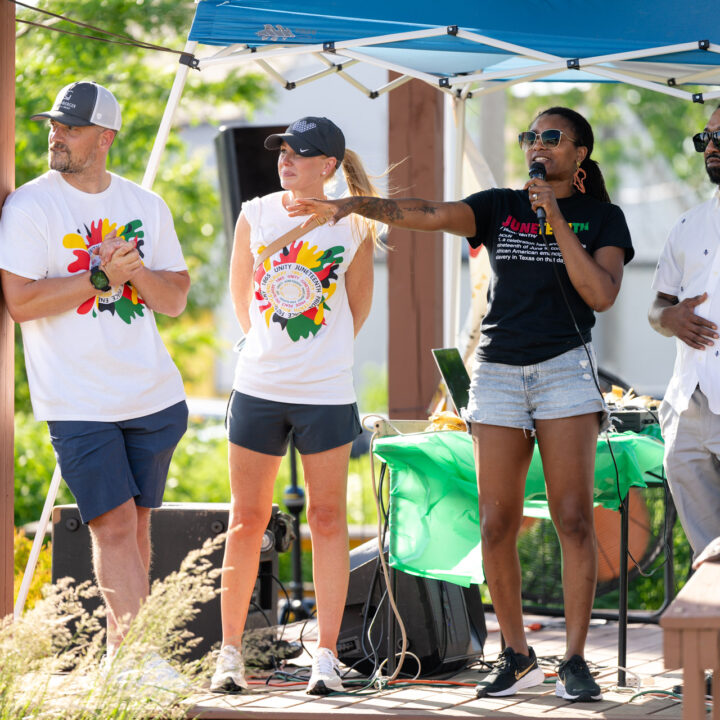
(50, 658)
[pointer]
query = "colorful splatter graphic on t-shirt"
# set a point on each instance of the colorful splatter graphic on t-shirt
(124, 301)
(293, 288)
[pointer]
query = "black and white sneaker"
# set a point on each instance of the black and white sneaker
(575, 681)
(325, 677)
(511, 672)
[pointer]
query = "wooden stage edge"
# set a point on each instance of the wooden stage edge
(646, 675)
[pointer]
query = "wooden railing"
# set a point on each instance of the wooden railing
(691, 639)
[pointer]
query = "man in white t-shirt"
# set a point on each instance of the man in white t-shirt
(87, 258)
(687, 306)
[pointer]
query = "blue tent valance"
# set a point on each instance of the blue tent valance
(467, 45)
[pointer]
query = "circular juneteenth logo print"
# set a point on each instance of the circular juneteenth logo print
(291, 289)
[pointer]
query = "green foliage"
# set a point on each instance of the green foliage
(669, 123)
(42, 576)
(34, 465)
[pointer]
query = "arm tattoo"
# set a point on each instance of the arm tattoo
(386, 211)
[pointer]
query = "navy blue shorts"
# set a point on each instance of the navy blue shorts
(107, 463)
(265, 425)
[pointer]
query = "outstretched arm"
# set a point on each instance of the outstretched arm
(456, 218)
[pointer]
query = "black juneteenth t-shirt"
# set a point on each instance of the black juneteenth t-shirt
(527, 319)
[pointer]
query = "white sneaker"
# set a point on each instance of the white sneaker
(325, 677)
(158, 673)
(229, 676)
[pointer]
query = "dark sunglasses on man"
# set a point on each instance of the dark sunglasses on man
(702, 140)
(548, 138)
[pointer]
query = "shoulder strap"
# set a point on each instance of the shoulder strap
(286, 239)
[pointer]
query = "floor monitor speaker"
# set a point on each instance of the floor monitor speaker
(445, 623)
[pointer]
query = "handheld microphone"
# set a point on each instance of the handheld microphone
(537, 170)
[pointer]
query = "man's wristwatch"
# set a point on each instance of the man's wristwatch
(99, 280)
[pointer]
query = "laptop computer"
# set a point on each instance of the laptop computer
(454, 374)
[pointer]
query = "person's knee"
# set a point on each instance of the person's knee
(498, 527)
(573, 524)
(325, 520)
(115, 528)
(248, 521)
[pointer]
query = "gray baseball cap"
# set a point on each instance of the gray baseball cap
(84, 103)
(311, 136)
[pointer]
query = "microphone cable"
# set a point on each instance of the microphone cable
(605, 433)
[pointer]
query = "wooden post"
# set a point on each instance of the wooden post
(7, 345)
(415, 287)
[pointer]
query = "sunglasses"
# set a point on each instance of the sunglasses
(549, 138)
(702, 140)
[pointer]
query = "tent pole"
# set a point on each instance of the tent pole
(452, 253)
(166, 122)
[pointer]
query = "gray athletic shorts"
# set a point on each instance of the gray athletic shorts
(106, 463)
(265, 425)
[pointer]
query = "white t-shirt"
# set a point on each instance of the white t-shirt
(103, 360)
(690, 265)
(300, 345)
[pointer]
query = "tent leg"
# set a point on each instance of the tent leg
(166, 122)
(452, 254)
(37, 543)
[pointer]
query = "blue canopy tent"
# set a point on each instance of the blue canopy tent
(463, 49)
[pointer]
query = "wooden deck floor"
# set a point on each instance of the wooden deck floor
(645, 672)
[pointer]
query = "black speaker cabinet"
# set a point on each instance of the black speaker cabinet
(445, 623)
(245, 168)
(175, 530)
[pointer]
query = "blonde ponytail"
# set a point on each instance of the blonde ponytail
(360, 184)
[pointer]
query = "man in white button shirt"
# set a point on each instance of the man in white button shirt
(687, 306)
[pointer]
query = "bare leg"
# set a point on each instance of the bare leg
(120, 565)
(326, 485)
(502, 459)
(252, 478)
(567, 447)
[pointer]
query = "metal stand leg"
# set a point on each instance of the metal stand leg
(392, 628)
(294, 499)
(623, 592)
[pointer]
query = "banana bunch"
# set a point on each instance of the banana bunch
(620, 398)
(445, 420)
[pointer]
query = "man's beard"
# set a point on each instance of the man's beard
(64, 162)
(713, 171)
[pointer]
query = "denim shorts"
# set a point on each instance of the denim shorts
(265, 425)
(517, 395)
(107, 463)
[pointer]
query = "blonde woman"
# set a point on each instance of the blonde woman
(300, 309)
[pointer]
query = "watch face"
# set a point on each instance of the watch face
(100, 280)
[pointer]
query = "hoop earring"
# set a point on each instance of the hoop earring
(578, 179)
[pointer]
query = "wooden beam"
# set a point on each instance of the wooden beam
(415, 285)
(7, 356)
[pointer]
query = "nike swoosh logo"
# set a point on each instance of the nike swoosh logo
(303, 149)
(519, 674)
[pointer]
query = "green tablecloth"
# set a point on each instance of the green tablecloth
(434, 519)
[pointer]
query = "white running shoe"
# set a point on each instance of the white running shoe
(159, 674)
(229, 676)
(325, 677)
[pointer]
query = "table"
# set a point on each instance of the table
(434, 518)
